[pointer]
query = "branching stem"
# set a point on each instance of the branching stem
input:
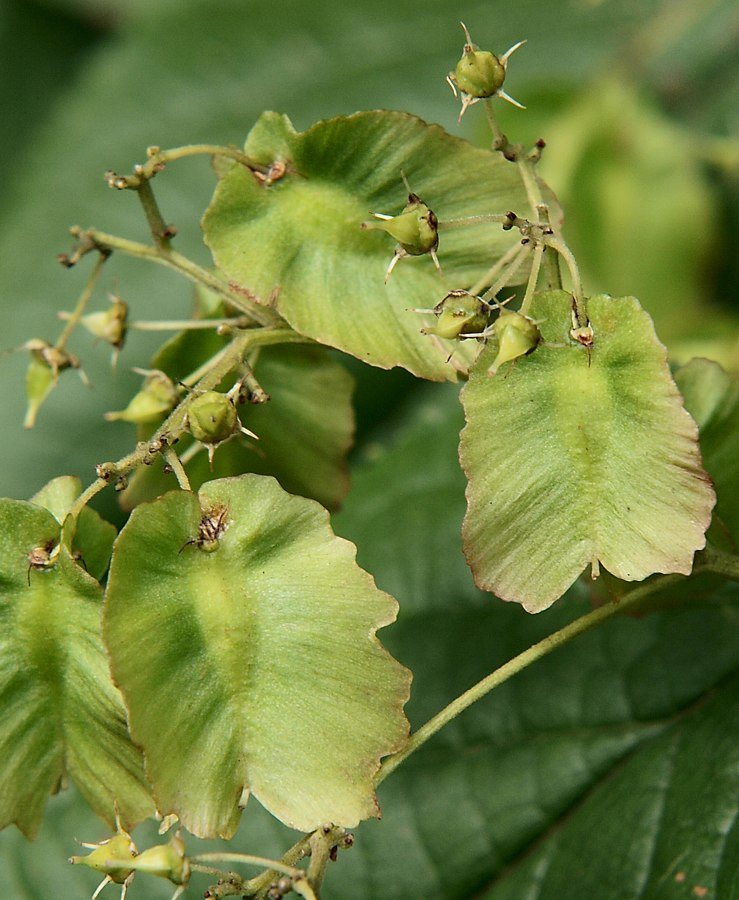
(509, 259)
(92, 239)
(231, 357)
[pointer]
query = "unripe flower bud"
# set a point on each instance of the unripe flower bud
(416, 229)
(517, 335)
(111, 857)
(479, 73)
(166, 861)
(110, 324)
(155, 399)
(459, 313)
(212, 418)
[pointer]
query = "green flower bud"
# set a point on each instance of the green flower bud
(166, 861)
(212, 418)
(110, 324)
(479, 73)
(155, 399)
(459, 313)
(517, 335)
(112, 857)
(416, 229)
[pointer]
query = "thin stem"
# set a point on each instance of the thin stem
(160, 231)
(482, 219)
(179, 470)
(84, 498)
(493, 271)
(187, 324)
(533, 279)
(531, 185)
(500, 141)
(263, 862)
(258, 337)
(85, 296)
(507, 276)
(303, 887)
(159, 158)
(577, 292)
(517, 664)
(552, 271)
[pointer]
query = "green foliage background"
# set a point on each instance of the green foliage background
(611, 767)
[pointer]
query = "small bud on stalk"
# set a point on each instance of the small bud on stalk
(458, 314)
(416, 229)
(480, 74)
(156, 398)
(517, 336)
(109, 325)
(212, 419)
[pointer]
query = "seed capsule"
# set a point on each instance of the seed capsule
(110, 857)
(155, 399)
(416, 229)
(459, 313)
(109, 325)
(212, 419)
(517, 336)
(480, 74)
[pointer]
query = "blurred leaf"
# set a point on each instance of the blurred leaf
(640, 216)
(243, 639)
(712, 398)
(300, 243)
(661, 819)
(579, 456)
(61, 714)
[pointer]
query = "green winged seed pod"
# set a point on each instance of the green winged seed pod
(459, 313)
(480, 74)
(42, 374)
(517, 335)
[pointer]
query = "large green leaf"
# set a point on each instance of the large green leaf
(300, 240)
(60, 714)
(579, 456)
(249, 662)
(665, 822)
